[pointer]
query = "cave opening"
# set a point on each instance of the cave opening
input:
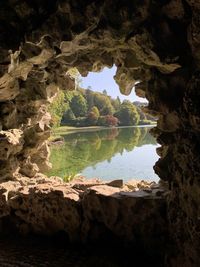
(99, 133)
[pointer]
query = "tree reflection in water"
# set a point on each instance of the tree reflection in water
(84, 149)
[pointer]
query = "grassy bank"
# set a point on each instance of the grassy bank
(70, 129)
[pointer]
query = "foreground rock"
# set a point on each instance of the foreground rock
(91, 212)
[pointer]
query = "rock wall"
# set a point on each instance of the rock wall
(154, 42)
(26, 89)
(88, 212)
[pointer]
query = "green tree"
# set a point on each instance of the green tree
(92, 118)
(79, 105)
(68, 116)
(96, 111)
(127, 114)
(107, 109)
(105, 92)
(99, 100)
(57, 108)
(69, 95)
(89, 96)
(116, 103)
(103, 103)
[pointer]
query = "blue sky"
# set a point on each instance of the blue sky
(104, 80)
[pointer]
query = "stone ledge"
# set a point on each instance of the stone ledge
(98, 212)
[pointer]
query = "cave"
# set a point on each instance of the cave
(154, 42)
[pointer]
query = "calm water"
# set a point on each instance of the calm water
(127, 153)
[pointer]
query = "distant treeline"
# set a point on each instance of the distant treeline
(84, 107)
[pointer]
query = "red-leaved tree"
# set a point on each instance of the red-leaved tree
(111, 120)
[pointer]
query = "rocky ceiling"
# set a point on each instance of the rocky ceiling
(154, 42)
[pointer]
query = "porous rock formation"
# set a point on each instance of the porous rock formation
(87, 212)
(154, 42)
(48, 205)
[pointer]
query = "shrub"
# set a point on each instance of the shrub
(110, 120)
(92, 118)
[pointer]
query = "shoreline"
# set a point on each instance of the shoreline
(70, 129)
(65, 129)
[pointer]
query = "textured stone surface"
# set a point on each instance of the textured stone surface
(154, 42)
(92, 213)
(11, 143)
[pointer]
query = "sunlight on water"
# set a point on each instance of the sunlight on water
(137, 164)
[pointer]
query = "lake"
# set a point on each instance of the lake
(115, 153)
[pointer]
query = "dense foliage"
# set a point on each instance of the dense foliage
(84, 107)
(58, 108)
(127, 114)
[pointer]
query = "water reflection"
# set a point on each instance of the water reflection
(107, 154)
